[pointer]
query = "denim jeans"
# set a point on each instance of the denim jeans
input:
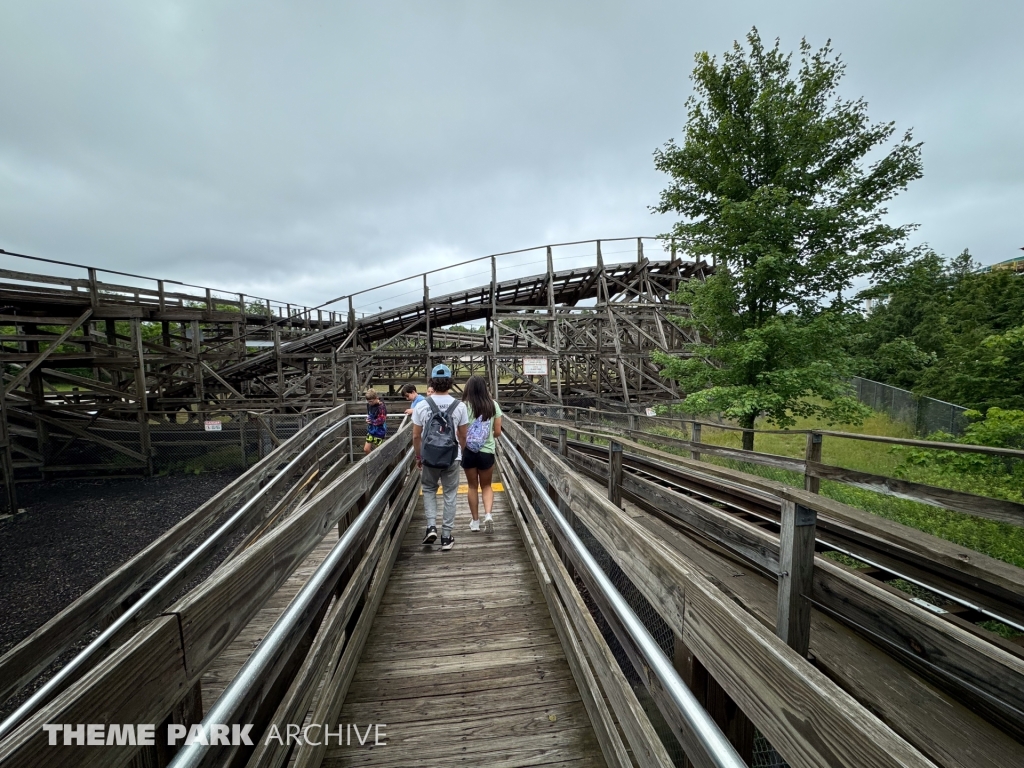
(430, 477)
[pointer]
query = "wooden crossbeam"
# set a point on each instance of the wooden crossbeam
(27, 370)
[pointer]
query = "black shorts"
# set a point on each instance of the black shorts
(477, 460)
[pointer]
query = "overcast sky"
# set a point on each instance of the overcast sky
(305, 149)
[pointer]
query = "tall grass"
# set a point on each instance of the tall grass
(999, 540)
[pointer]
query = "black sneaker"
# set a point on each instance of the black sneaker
(431, 536)
(447, 542)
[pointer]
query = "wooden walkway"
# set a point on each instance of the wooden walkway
(463, 664)
(224, 668)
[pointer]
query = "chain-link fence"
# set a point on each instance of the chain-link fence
(764, 755)
(925, 415)
(182, 442)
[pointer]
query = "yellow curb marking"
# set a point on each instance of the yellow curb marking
(496, 487)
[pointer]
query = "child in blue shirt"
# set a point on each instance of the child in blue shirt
(409, 393)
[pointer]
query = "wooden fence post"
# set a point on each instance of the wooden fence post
(796, 572)
(695, 455)
(241, 439)
(736, 726)
(615, 473)
(813, 453)
(94, 289)
(563, 442)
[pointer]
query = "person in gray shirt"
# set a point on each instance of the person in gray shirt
(447, 477)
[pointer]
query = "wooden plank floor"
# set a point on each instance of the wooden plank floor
(463, 664)
(231, 659)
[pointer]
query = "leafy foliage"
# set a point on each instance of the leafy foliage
(774, 186)
(947, 330)
(991, 475)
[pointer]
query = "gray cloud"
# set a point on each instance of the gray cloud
(306, 149)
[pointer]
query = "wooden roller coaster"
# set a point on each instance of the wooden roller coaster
(104, 370)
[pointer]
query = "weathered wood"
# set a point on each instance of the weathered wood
(736, 726)
(934, 722)
(949, 656)
(29, 657)
(812, 454)
(932, 444)
(746, 539)
(697, 448)
(336, 686)
(823, 724)
(973, 670)
(139, 683)
(643, 739)
(796, 569)
(615, 473)
(221, 606)
(612, 748)
(41, 357)
(331, 635)
(953, 560)
(958, 501)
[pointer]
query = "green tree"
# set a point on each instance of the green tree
(775, 186)
(948, 330)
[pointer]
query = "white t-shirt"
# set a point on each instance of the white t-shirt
(421, 413)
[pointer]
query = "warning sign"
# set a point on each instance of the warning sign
(212, 426)
(535, 366)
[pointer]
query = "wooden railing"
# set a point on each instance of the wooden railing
(806, 716)
(157, 670)
(153, 293)
(811, 466)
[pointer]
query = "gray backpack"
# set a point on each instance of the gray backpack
(440, 445)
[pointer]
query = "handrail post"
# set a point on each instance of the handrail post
(695, 439)
(813, 453)
(615, 473)
(563, 443)
(796, 572)
(94, 288)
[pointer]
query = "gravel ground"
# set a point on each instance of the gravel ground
(78, 531)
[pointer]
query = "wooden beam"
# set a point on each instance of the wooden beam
(34, 653)
(807, 717)
(580, 638)
(796, 571)
(41, 358)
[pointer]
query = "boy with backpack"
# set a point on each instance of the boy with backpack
(439, 425)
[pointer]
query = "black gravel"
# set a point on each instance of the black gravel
(75, 532)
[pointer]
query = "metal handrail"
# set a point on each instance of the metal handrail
(716, 747)
(162, 590)
(237, 700)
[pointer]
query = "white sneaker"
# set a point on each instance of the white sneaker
(488, 524)
(474, 525)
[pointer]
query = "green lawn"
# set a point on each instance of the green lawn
(999, 540)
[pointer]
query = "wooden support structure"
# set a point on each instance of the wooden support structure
(615, 473)
(796, 576)
(813, 454)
